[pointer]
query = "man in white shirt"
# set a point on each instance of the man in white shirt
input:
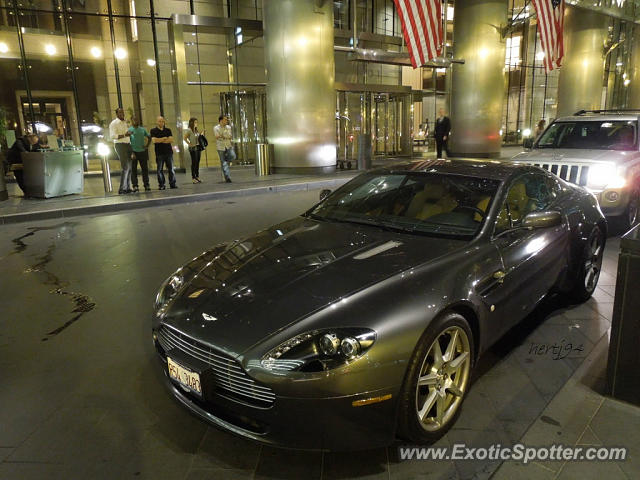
(119, 133)
(227, 154)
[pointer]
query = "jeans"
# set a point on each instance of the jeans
(227, 155)
(195, 162)
(143, 159)
(124, 154)
(162, 160)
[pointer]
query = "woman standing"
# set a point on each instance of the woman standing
(191, 135)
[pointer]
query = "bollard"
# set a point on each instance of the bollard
(263, 159)
(106, 175)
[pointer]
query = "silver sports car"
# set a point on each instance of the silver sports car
(360, 321)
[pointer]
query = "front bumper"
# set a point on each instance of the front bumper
(297, 423)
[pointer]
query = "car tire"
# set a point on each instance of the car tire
(427, 411)
(589, 267)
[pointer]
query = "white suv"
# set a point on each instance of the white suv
(599, 150)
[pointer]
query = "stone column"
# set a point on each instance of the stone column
(580, 80)
(299, 61)
(477, 87)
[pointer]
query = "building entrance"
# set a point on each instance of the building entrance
(247, 112)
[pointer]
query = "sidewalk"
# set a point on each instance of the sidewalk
(94, 200)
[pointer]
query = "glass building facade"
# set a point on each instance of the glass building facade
(66, 65)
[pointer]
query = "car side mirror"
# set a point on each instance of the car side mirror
(528, 143)
(545, 219)
(324, 194)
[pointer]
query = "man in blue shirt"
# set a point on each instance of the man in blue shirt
(140, 140)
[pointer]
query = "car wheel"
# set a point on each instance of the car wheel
(437, 380)
(589, 267)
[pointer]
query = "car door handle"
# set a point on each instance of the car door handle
(499, 276)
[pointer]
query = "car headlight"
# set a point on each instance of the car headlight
(605, 176)
(169, 288)
(319, 350)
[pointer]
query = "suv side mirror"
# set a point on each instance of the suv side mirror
(542, 219)
(324, 194)
(528, 143)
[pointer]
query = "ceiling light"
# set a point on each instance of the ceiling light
(50, 49)
(4, 48)
(96, 52)
(540, 56)
(120, 53)
(151, 62)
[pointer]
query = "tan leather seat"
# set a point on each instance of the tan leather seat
(433, 199)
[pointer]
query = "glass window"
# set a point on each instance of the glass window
(432, 204)
(592, 134)
(532, 192)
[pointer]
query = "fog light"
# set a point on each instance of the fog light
(329, 344)
(155, 338)
(350, 348)
(612, 196)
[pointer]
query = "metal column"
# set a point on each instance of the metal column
(299, 60)
(580, 80)
(180, 94)
(477, 90)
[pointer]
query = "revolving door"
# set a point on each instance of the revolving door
(382, 116)
(247, 112)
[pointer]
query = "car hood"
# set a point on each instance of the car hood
(263, 284)
(572, 155)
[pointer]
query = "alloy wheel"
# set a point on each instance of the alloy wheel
(593, 261)
(443, 378)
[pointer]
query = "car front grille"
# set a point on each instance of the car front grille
(572, 173)
(230, 378)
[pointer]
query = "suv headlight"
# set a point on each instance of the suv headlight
(319, 350)
(169, 288)
(605, 176)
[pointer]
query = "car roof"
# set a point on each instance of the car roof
(598, 118)
(492, 169)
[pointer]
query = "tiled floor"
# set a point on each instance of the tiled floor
(89, 403)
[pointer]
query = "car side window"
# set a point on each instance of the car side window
(528, 193)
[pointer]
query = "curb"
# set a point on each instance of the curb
(175, 200)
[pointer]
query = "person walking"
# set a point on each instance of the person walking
(162, 139)
(28, 143)
(222, 132)
(192, 137)
(441, 133)
(140, 140)
(118, 129)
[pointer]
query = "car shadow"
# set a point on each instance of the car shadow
(517, 335)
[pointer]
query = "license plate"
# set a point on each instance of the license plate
(185, 377)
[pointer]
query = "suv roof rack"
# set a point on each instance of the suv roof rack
(614, 111)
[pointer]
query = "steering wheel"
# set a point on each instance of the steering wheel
(473, 209)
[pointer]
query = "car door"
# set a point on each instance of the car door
(532, 260)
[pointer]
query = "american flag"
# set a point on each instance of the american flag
(422, 27)
(550, 28)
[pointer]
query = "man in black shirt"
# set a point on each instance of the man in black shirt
(441, 133)
(162, 139)
(14, 159)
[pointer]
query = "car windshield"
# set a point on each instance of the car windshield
(420, 203)
(593, 134)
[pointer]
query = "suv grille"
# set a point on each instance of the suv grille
(572, 173)
(230, 378)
